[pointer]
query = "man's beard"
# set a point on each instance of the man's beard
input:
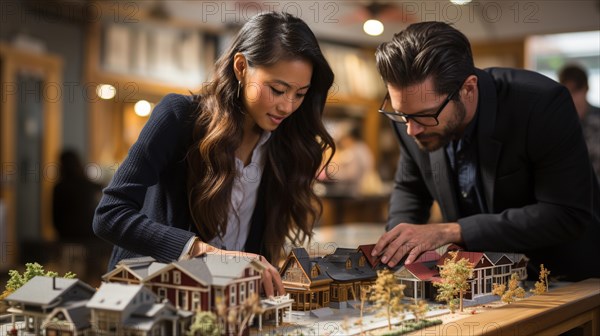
(430, 142)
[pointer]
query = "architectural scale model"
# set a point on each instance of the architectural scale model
(144, 297)
(141, 297)
(335, 279)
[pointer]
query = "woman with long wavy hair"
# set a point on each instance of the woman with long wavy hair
(232, 168)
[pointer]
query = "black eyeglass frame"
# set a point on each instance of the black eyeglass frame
(403, 118)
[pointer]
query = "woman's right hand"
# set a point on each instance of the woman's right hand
(270, 278)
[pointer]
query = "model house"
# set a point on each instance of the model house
(337, 278)
(133, 271)
(41, 295)
(305, 281)
(350, 270)
(419, 276)
(489, 268)
(118, 309)
(70, 320)
(194, 284)
(328, 281)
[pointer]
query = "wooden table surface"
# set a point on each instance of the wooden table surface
(560, 310)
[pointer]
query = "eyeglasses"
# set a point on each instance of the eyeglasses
(429, 119)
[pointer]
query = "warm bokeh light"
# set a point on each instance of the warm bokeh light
(106, 91)
(373, 27)
(460, 2)
(142, 108)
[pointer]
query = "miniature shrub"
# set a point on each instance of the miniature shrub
(412, 326)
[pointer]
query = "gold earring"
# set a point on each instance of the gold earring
(239, 88)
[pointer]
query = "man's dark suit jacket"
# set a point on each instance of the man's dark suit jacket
(537, 180)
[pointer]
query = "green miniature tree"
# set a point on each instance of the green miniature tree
(514, 291)
(31, 270)
(204, 324)
(387, 295)
(454, 282)
(419, 309)
(541, 286)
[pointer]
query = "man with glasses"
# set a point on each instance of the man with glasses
(500, 150)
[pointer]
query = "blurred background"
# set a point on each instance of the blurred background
(83, 76)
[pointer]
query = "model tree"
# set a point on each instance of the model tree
(455, 275)
(31, 270)
(242, 313)
(387, 295)
(514, 290)
(419, 310)
(541, 286)
(498, 289)
(364, 296)
(204, 324)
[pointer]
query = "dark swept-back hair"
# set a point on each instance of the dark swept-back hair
(426, 49)
(295, 150)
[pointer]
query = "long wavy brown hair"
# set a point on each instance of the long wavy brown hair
(294, 152)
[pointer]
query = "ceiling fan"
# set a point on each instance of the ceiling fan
(374, 14)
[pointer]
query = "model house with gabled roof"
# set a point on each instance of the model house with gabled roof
(305, 281)
(419, 275)
(120, 309)
(70, 320)
(488, 268)
(519, 264)
(194, 284)
(133, 271)
(41, 295)
(351, 270)
(328, 281)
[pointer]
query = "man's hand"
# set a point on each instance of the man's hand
(271, 280)
(411, 240)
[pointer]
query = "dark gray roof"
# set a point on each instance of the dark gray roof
(335, 266)
(41, 291)
(515, 257)
(494, 256)
(322, 275)
(307, 263)
(303, 259)
(344, 251)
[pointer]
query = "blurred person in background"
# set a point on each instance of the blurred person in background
(352, 169)
(575, 79)
(75, 198)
